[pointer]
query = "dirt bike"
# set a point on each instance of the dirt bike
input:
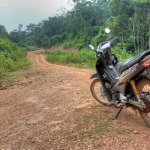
(124, 83)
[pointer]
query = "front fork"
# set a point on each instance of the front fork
(139, 102)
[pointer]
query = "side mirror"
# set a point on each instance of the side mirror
(91, 47)
(107, 30)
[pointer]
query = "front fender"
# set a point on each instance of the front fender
(95, 75)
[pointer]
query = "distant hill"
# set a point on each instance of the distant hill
(11, 17)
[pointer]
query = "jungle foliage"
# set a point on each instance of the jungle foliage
(129, 20)
(12, 58)
(82, 59)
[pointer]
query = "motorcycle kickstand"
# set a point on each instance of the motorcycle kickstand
(118, 113)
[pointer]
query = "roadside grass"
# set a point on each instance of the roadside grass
(12, 58)
(81, 59)
(12, 79)
(12, 68)
(95, 123)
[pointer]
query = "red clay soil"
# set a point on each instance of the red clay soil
(49, 107)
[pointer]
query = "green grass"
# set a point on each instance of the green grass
(103, 126)
(12, 58)
(89, 117)
(94, 126)
(95, 106)
(106, 112)
(97, 123)
(82, 59)
(121, 52)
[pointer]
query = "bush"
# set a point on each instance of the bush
(56, 39)
(77, 44)
(67, 45)
(83, 59)
(121, 53)
(101, 37)
(12, 58)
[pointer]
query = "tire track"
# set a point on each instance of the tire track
(42, 63)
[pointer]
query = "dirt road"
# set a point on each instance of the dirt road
(50, 108)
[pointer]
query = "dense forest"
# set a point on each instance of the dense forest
(129, 20)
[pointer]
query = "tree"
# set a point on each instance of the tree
(141, 24)
(14, 36)
(122, 11)
(3, 32)
(131, 22)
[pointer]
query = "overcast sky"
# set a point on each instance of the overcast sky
(47, 7)
(14, 12)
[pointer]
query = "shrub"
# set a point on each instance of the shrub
(83, 59)
(121, 53)
(67, 45)
(12, 58)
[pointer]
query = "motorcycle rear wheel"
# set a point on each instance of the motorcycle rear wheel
(144, 89)
(98, 92)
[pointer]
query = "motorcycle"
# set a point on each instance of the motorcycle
(124, 84)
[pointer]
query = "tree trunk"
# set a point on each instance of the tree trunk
(134, 34)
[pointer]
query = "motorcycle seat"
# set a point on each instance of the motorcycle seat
(121, 66)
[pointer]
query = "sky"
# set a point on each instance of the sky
(15, 12)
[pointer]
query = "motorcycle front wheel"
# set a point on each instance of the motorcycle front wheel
(144, 91)
(98, 92)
